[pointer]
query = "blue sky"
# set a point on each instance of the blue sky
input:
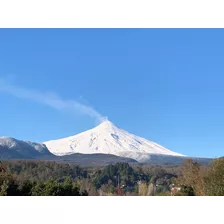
(162, 84)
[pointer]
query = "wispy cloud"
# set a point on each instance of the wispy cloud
(50, 99)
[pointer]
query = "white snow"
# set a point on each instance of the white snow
(108, 139)
(11, 143)
(7, 142)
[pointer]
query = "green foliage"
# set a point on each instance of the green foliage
(160, 189)
(39, 178)
(123, 171)
(8, 185)
(14, 183)
(43, 171)
(214, 180)
(25, 188)
(161, 179)
(3, 189)
(186, 191)
(49, 188)
(57, 188)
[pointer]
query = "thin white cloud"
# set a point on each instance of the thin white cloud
(50, 99)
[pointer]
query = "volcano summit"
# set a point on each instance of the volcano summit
(109, 139)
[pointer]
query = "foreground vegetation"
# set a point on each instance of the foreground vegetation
(39, 178)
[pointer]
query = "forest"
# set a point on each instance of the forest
(45, 178)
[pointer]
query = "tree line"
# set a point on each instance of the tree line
(42, 178)
(198, 180)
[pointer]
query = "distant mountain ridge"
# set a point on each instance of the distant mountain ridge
(12, 148)
(105, 144)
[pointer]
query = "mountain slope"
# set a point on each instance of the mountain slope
(92, 160)
(108, 139)
(11, 148)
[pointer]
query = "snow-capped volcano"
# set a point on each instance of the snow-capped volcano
(108, 139)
